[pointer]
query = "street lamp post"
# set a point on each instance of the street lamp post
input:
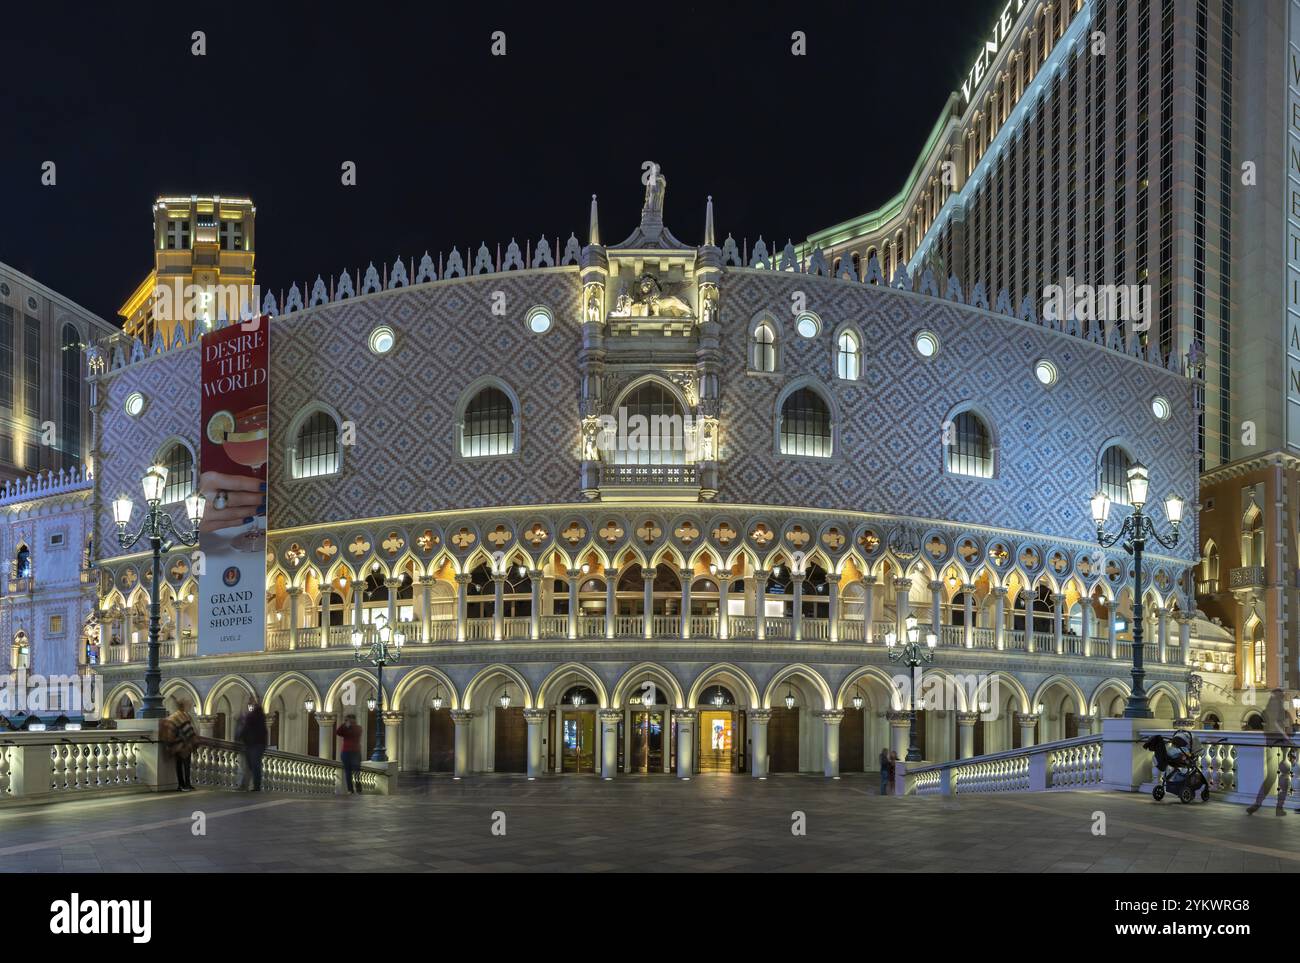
(385, 649)
(1137, 527)
(913, 654)
(161, 531)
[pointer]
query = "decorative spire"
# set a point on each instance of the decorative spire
(593, 232)
(708, 223)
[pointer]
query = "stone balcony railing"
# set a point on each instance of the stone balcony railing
(816, 631)
(1250, 576)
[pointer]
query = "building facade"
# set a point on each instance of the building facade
(642, 507)
(1147, 151)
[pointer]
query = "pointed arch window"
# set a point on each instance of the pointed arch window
(762, 347)
(179, 462)
(316, 446)
(656, 427)
(488, 426)
(1252, 538)
(1210, 569)
(1113, 472)
(806, 425)
(848, 356)
(969, 446)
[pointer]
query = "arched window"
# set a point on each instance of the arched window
(1113, 474)
(1210, 569)
(180, 473)
(1043, 620)
(1258, 660)
(70, 402)
(316, 446)
(762, 347)
(488, 427)
(969, 446)
(23, 562)
(656, 427)
(21, 656)
(805, 424)
(848, 356)
(1252, 538)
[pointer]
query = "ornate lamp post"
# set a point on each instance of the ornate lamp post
(162, 533)
(914, 655)
(1134, 533)
(385, 649)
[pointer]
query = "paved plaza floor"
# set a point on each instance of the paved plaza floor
(643, 823)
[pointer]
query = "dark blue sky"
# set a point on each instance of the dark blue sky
(454, 146)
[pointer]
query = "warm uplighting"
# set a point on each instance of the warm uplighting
(122, 507)
(1174, 509)
(153, 483)
(1100, 508)
(1139, 479)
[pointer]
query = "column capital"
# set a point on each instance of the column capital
(535, 573)
(393, 583)
(936, 584)
(1087, 720)
(393, 717)
(760, 716)
(535, 717)
(902, 583)
(898, 717)
(461, 717)
(1058, 597)
(685, 715)
(686, 575)
(761, 575)
(573, 574)
(968, 587)
(832, 717)
(464, 578)
(610, 715)
(967, 718)
(326, 718)
(999, 590)
(649, 572)
(206, 720)
(293, 591)
(1026, 719)
(798, 577)
(869, 580)
(1184, 723)
(425, 579)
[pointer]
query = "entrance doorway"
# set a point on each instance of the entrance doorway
(511, 754)
(717, 740)
(853, 741)
(783, 740)
(578, 737)
(647, 742)
(442, 741)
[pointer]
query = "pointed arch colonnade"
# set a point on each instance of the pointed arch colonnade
(608, 718)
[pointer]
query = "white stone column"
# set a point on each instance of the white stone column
(536, 720)
(535, 617)
(1028, 728)
(1185, 638)
(868, 608)
(999, 617)
(902, 606)
(1162, 632)
(1027, 598)
(1058, 622)
(1111, 637)
(426, 608)
(1086, 725)
(833, 596)
(358, 590)
(966, 723)
(758, 720)
(724, 621)
(178, 608)
(760, 604)
(685, 742)
(393, 736)
(609, 719)
(323, 615)
(1085, 624)
(293, 591)
(574, 576)
(462, 608)
(685, 576)
(392, 584)
(461, 719)
(207, 724)
(968, 630)
(936, 608)
(648, 600)
(611, 603)
(498, 607)
(325, 722)
(900, 731)
(831, 719)
(796, 612)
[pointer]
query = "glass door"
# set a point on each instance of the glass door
(579, 738)
(647, 742)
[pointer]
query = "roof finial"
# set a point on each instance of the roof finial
(593, 232)
(708, 223)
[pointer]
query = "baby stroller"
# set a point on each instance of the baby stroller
(1179, 760)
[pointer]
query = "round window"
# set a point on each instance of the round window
(539, 320)
(4, 290)
(382, 339)
(1160, 407)
(134, 404)
(1045, 372)
(926, 344)
(808, 324)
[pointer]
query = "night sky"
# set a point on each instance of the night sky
(454, 146)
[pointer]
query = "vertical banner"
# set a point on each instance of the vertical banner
(234, 439)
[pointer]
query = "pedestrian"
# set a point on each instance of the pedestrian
(1276, 736)
(178, 734)
(885, 767)
(893, 769)
(350, 751)
(253, 735)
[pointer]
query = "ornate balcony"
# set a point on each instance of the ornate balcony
(1250, 576)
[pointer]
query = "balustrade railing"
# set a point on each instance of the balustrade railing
(591, 626)
(984, 638)
(629, 626)
(478, 630)
(1015, 641)
(815, 630)
(1067, 764)
(740, 626)
(554, 626)
(777, 627)
(517, 628)
(704, 626)
(666, 626)
(1238, 764)
(1044, 642)
(953, 636)
(277, 640)
(442, 630)
(852, 630)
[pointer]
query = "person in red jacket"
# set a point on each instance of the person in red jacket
(350, 751)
